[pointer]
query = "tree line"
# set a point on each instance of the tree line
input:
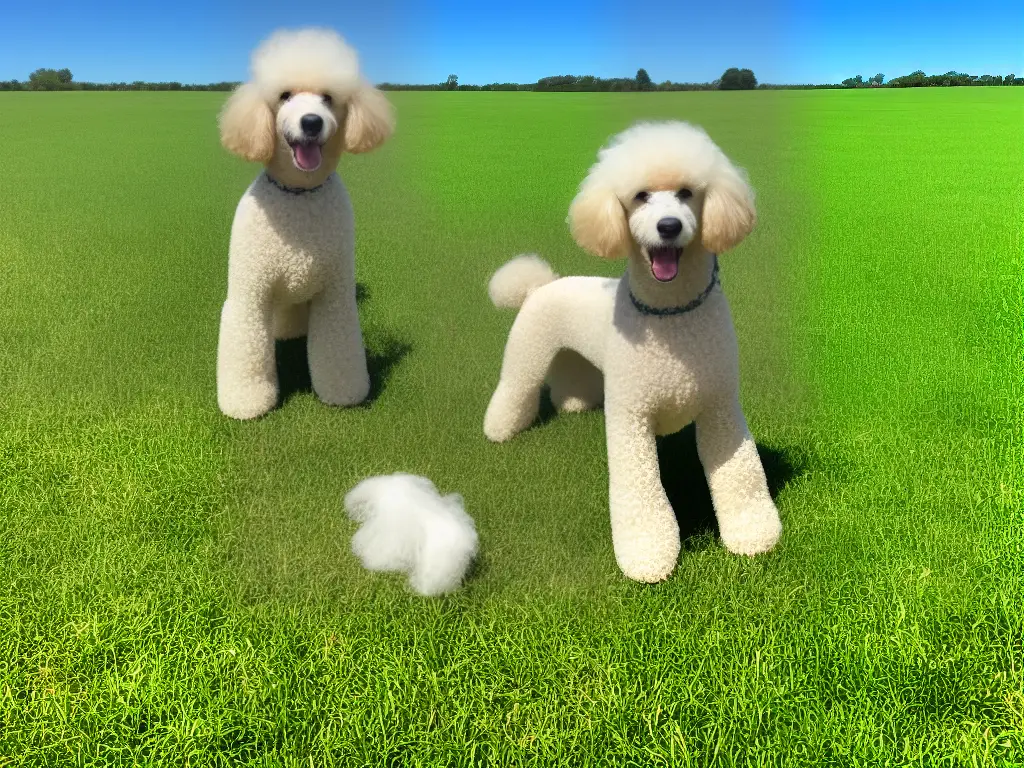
(63, 80)
(919, 79)
(732, 79)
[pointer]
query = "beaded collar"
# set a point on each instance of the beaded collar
(292, 190)
(689, 306)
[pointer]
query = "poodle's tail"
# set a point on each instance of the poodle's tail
(515, 281)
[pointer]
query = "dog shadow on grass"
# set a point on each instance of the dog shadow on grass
(686, 486)
(384, 351)
(682, 476)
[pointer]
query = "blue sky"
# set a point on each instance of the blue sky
(419, 41)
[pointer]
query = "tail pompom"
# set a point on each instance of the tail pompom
(516, 280)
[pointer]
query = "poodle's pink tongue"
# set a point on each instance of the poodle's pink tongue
(307, 156)
(665, 263)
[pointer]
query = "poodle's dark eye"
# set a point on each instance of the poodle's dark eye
(641, 197)
(684, 193)
(327, 99)
(285, 95)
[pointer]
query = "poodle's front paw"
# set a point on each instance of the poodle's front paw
(350, 391)
(753, 531)
(646, 558)
(247, 401)
(508, 415)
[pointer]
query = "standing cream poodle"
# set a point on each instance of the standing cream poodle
(291, 265)
(657, 347)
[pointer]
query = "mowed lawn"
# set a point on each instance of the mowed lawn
(177, 588)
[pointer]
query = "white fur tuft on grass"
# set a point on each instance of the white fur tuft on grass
(407, 526)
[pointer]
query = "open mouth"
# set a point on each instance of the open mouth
(307, 155)
(664, 262)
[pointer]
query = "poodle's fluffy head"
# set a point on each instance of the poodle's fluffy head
(304, 105)
(658, 189)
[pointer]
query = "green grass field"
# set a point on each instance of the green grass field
(177, 588)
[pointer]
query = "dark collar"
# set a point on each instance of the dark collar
(292, 190)
(689, 306)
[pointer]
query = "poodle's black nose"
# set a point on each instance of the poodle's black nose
(312, 125)
(670, 226)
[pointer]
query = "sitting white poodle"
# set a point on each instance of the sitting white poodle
(291, 265)
(657, 346)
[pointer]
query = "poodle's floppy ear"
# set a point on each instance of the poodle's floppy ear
(247, 125)
(729, 214)
(370, 120)
(597, 221)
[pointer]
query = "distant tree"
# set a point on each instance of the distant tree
(643, 80)
(916, 78)
(1008, 80)
(734, 79)
(452, 83)
(64, 75)
(730, 80)
(877, 79)
(853, 82)
(953, 78)
(45, 80)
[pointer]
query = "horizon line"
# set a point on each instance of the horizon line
(426, 85)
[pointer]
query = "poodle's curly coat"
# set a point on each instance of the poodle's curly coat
(656, 347)
(291, 269)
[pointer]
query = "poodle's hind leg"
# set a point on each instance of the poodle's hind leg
(291, 321)
(576, 383)
(246, 375)
(337, 358)
(532, 345)
(747, 517)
